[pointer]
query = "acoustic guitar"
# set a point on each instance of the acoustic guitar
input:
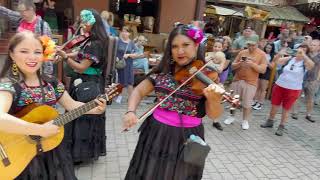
(16, 151)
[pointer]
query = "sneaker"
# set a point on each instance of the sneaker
(217, 125)
(245, 125)
(267, 124)
(119, 99)
(258, 106)
(294, 116)
(308, 117)
(254, 104)
(280, 130)
(229, 120)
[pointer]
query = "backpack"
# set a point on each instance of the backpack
(110, 70)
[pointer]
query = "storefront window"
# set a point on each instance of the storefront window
(135, 10)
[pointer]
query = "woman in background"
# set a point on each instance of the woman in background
(126, 50)
(264, 78)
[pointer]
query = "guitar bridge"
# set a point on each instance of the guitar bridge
(4, 157)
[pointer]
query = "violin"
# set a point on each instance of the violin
(75, 41)
(203, 78)
(193, 74)
(197, 85)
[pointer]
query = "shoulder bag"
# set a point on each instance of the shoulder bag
(121, 63)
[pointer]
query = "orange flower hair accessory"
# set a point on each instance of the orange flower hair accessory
(49, 48)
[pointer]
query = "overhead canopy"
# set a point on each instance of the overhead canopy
(286, 13)
(222, 11)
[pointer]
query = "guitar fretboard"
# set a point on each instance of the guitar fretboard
(75, 113)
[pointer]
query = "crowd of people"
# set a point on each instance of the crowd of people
(290, 61)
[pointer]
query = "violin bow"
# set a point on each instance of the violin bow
(150, 111)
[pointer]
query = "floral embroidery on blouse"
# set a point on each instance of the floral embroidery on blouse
(183, 101)
(91, 50)
(82, 55)
(31, 95)
(7, 86)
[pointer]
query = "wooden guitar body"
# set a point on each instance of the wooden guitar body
(21, 149)
(16, 151)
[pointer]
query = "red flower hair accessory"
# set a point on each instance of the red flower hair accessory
(195, 33)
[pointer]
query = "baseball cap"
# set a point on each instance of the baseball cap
(252, 40)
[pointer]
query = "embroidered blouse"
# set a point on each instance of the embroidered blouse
(32, 94)
(92, 51)
(183, 101)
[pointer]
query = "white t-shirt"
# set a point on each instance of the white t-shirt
(292, 75)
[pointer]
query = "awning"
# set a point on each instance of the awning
(286, 13)
(219, 10)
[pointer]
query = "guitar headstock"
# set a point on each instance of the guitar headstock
(113, 90)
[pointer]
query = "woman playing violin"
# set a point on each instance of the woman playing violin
(87, 134)
(161, 135)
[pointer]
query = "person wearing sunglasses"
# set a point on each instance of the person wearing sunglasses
(287, 88)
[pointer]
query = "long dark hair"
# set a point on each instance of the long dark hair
(6, 72)
(98, 33)
(166, 65)
(272, 52)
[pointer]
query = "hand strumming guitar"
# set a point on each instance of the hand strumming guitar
(47, 129)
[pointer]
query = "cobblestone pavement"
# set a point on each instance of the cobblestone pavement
(236, 154)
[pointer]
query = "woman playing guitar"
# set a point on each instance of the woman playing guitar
(21, 84)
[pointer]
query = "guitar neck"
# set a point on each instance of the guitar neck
(75, 113)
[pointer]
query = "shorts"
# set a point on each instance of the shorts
(310, 88)
(284, 96)
(246, 92)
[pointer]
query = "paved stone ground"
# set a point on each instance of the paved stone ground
(236, 154)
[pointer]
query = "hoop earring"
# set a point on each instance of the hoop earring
(14, 69)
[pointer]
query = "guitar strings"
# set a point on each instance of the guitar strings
(113, 91)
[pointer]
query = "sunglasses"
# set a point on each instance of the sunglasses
(291, 67)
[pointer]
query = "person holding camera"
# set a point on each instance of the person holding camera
(311, 81)
(247, 66)
(287, 88)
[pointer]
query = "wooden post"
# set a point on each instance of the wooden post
(263, 30)
(271, 79)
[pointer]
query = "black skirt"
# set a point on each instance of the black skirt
(52, 165)
(266, 75)
(157, 154)
(85, 136)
